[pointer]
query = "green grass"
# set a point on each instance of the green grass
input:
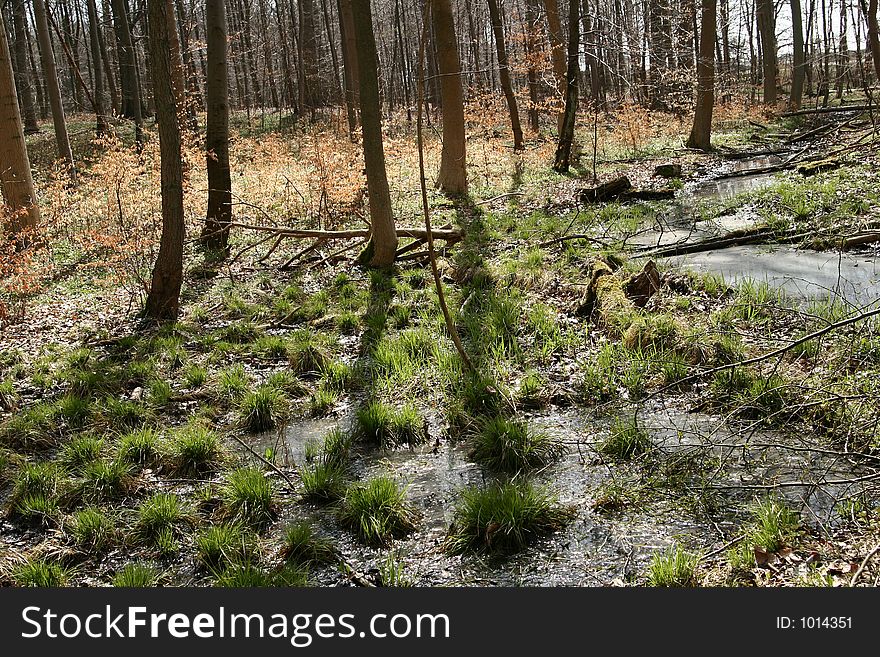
(287, 383)
(140, 447)
(193, 450)
(379, 424)
(503, 518)
(92, 530)
(511, 446)
(219, 546)
(774, 525)
(124, 413)
(247, 497)
(392, 572)
(136, 575)
(674, 567)
(337, 376)
(377, 511)
(75, 411)
(251, 575)
(162, 513)
(271, 346)
(324, 472)
(81, 450)
(626, 441)
(262, 409)
(306, 353)
(34, 428)
(233, 382)
(160, 393)
(40, 573)
(105, 480)
(195, 377)
(322, 401)
(303, 546)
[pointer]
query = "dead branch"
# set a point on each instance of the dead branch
(864, 563)
(451, 235)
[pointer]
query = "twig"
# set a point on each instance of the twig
(864, 563)
(274, 467)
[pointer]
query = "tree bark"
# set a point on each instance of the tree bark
(701, 132)
(566, 135)
(383, 245)
(98, 76)
(873, 35)
(163, 301)
(22, 76)
(21, 209)
(349, 62)
(52, 89)
(128, 74)
(767, 27)
(452, 178)
(797, 73)
(215, 234)
(504, 74)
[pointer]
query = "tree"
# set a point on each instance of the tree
(767, 27)
(504, 74)
(873, 34)
(215, 234)
(566, 135)
(163, 301)
(701, 132)
(22, 78)
(797, 73)
(50, 73)
(349, 62)
(452, 178)
(15, 170)
(383, 242)
(97, 77)
(128, 75)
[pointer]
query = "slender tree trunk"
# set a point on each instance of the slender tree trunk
(767, 27)
(566, 135)
(873, 36)
(35, 76)
(701, 132)
(106, 64)
(97, 77)
(20, 211)
(50, 74)
(311, 94)
(22, 76)
(452, 178)
(532, 53)
(132, 105)
(557, 47)
(797, 73)
(349, 61)
(163, 301)
(267, 53)
(216, 231)
(383, 244)
(504, 74)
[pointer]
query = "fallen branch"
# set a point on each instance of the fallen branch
(864, 563)
(769, 354)
(414, 233)
(274, 467)
(829, 110)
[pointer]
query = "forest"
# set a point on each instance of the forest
(396, 293)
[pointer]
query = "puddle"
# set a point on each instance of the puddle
(801, 273)
(595, 549)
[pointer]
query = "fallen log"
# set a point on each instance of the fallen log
(449, 235)
(607, 191)
(648, 195)
(818, 166)
(829, 110)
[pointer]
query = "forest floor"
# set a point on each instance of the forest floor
(643, 410)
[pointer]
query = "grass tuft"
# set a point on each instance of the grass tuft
(247, 497)
(674, 567)
(509, 445)
(627, 441)
(378, 423)
(377, 511)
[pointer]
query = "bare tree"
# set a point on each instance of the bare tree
(504, 73)
(53, 90)
(701, 132)
(215, 234)
(452, 178)
(797, 73)
(22, 76)
(383, 243)
(566, 135)
(21, 209)
(163, 301)
(766, 16)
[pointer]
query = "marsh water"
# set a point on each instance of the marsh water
(719, 457)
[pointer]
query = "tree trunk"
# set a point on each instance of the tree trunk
(22, 76)
(873, 36)
(532, 53)
(107, 67)
(310, 93)
(50, 73)
(383, 243)
(21, 209)
(349, 62)
(98, 76)
(566, 135)
(215, 234)
(557, 49)
(452, 178)
(504, 74)
(163, 301)
(128, 74)
(767, 27)
(701, 132)
(797, 73)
